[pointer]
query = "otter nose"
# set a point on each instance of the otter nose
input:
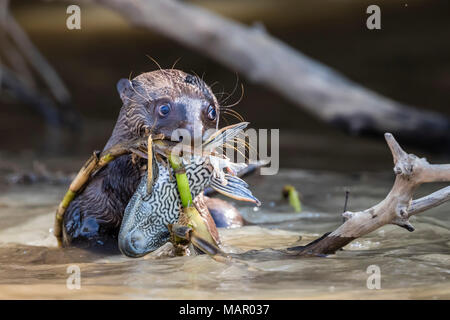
(133, 245)
(189, 134)
(137, 244)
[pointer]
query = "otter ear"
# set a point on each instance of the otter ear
(124, 87)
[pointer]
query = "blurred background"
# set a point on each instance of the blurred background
(408, 60)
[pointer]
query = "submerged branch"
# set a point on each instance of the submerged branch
(36, 59)
(268, 61)
(96, 162)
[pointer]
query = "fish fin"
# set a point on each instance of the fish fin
(235, 188)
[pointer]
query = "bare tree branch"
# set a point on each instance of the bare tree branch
(21, 90)
(23, 85)
(398, 206)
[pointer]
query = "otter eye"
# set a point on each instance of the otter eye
(211, 112)
(164, 110)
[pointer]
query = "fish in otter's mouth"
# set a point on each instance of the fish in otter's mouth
(147, 215)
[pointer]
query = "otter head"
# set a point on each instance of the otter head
(168, 102)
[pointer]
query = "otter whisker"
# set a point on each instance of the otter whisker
(156, 62)
(140, 129)
(244, 143)
(234, 114)
(153, 126)
(148, 95)
(235, 149)
(222, 92)
(129, 98)
(163, 71)
(148, 99)
(134, 102)
(231, 111)
(140, 95)
(240, 142)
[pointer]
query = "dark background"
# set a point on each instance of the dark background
(407, 60)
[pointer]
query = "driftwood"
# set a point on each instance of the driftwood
(266, 60)
(396, 208)
(19, 50)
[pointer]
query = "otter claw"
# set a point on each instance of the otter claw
(204, 246)
(180, 231)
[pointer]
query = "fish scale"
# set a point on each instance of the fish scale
(147, 216)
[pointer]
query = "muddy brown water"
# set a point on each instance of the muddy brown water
(407, 61)
(413, 265)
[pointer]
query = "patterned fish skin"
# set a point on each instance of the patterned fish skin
(144, 225)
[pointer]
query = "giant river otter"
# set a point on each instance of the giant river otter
(160, 101)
